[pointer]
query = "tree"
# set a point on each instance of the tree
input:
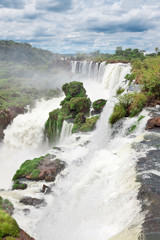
(156, 49)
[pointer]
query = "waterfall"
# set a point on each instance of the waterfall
(24, 139)
(66, 130)
(90, 69)
(97, 196)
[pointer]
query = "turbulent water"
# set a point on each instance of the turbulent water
(96, 197)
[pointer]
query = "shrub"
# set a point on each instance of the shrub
(120, 91)
(137, 104)
(8, 226)
(118, 113)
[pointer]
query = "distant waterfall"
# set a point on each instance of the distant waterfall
(90, 69)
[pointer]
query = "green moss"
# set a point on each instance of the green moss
(8, 226)
(98, 105)
(75, 102)
(120, 91)
(10, 238)
(132, 128)
(137, 104)
(74, 89)
(140, 118)
(5, 204)
(89, 125)
(79, 105)
(28, 167)
(35, 174)
(118, 113)
(129, 105)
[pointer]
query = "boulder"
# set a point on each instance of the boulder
(153, 123)
(43, 168)
(31, 201)
(98, 105)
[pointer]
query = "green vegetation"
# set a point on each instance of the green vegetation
(73, 89)
(132, 128)
(74, 107)
(98, 105)
(147, 73)
(6, 205)
(8, 226)
(129, 105)
(140, 118)
(27, 73)
(87, 126)
(28, 167)
(120, 91)
(18, 185)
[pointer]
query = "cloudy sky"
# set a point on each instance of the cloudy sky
(68, 26)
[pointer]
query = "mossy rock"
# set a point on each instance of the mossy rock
(19, 186)
(74, 89)
(76, 102)
(129, 105)
(98, 105)
(80, 118)
(80, 105)
(89, 125)
(8, 226)
(28, 167)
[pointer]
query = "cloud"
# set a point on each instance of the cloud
(54, 5)
(17, 4)
(79, 25)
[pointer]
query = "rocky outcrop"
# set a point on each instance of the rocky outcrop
(153, 123)
(75, 104)
(43, 168)
(149, 193)
(32, 201)
(6, 117)
(98, 105)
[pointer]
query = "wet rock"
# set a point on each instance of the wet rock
(6, 117)
(148, 169)
(50, 169)
(43, 168)
(26, 211)
(24, 236)
(153, 123)
(32, 201)
(46, 189)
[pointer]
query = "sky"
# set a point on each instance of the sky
(70, 26)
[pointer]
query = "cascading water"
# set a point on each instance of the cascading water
(96, 197)
(94, 70)
(66, 130)
(24, 139)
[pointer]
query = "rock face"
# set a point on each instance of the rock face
(153, 123)
(43, 168)
(24, 236)
(149, 192)
(6, 116)
(32, 201)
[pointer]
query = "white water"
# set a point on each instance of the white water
(24, 139)
(66, 131)
(97, 196)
